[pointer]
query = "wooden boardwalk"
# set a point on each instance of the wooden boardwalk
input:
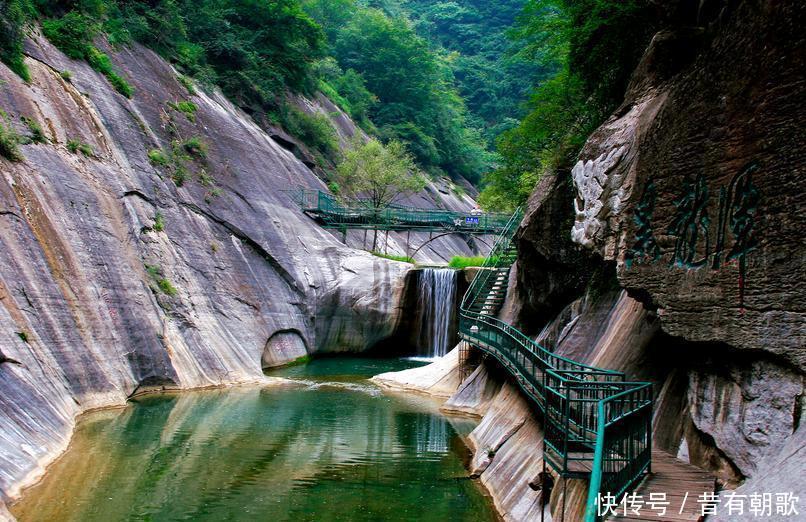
(675, 478)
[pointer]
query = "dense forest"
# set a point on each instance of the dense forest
(493, 92)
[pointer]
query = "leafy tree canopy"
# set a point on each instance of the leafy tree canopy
(592, 46)
(380, 173)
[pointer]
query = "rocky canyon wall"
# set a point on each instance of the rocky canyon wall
(691, 198)
(672, 252)
(116, 278)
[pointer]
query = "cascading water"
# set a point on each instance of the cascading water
(436, 310)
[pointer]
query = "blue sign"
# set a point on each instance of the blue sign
(471, 221)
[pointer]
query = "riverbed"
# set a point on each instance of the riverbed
(332, 446)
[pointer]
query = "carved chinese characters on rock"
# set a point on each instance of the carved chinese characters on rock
(696, 241)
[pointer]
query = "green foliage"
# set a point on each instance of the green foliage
(14, 15)
(101, 63)
(66, 76)
(381, 173)
(180, 175)
(196, 147)
(36, 134)
(348, 90)
(23, 336)
(392, 257)
(315, 130)
(404, 87)
(592, 46)
(465, 262)
(73, 35)
(253, 49)
(188, 108)
(205, 178)
(158, 157)
(179, 157)
(159, 282)
(166, 287)
(9, 140)
(334, 188)
(187, 83)
(76, 146)
(491, 77)
(159, 222)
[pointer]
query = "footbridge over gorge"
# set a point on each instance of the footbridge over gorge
(331, 212)
(597, 424)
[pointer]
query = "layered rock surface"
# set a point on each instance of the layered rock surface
(694, 187)
(672, 252)
(114, 280)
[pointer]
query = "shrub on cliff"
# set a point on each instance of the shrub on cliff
(14, 14)
(314, 130)
(9, 140)
(73, 35)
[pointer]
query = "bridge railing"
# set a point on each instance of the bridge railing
(362, 213)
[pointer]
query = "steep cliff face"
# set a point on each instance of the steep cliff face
(691, 198)
(695, 186)
(671, 252)
(115, 278)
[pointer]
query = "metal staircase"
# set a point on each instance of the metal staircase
(597, 425)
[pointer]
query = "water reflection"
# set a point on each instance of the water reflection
(333, 448)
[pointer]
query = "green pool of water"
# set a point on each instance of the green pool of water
(332, 448)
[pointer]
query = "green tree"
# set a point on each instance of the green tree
(14, 14)
(592, 47)
(417, 100)
(380, 173)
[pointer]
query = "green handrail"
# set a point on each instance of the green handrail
(361, 213)
(585, 409)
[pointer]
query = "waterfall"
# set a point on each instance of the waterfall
(436, 310)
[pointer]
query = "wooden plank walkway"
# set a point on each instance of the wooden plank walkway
(675, 478)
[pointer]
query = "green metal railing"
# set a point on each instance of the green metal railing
(596, 424)
(360, 213)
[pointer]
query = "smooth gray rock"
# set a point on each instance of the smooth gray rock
(97, 304)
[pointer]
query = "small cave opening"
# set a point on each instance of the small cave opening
(284, 347)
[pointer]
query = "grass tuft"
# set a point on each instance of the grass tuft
(157, 157)
(76, 146)
(161, 283)
(159, 222)
(196, 147)
(465, 262)
(188, 108)
(392, 257)
(9, 140)
(36, 134)
(187, 83)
